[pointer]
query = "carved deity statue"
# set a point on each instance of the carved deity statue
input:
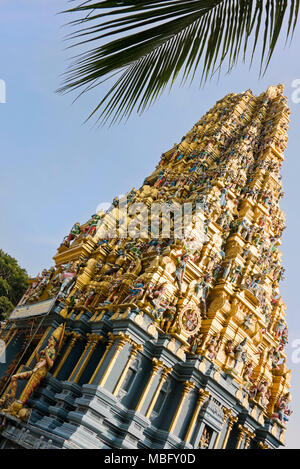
(44, 362)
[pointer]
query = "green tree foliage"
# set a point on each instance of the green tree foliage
(143, 45)
(13, 283)
(6, 307)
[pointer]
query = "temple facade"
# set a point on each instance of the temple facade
(161, 324)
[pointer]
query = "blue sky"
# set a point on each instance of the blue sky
(55, 170)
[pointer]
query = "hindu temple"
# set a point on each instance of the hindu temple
(160, 324)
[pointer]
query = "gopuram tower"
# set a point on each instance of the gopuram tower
(161, 324)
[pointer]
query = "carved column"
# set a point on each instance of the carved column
(112, 338)
(242, 432)
(135, 349)
(249, 437)
(122, 341)
(156, 365)
(187, 387)
(92, 343)
(163, 378)
(67, 353)
(203, 395)
(227, 414)
(232, 420)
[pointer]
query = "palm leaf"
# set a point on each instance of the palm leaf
(142, 46)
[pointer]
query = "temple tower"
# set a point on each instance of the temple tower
(174, 328)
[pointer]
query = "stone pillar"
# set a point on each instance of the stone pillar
(122, 341)
(135, 349)
(232, 420)
(110, 343)
(163, 378)
(249, 437)
(156, 365)
(203, 395)
(187, 387)
(92, 342)
(67, 352)
(242, 432)
(227, 414)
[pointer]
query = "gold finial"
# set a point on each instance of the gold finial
(273, 91)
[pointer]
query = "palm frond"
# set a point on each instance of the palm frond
(144, 45)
